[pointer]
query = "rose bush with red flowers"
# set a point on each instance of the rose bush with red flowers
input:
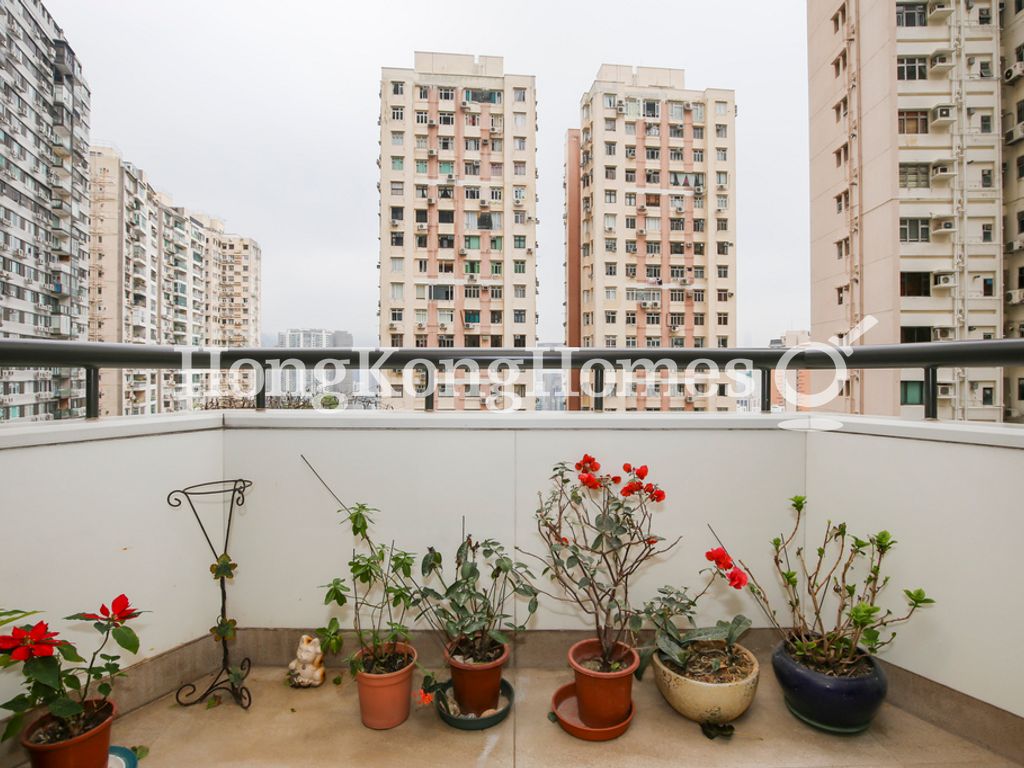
(55, 676)
(597, 535)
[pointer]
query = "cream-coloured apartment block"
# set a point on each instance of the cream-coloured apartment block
(240, 291)
(906, 140)
(44, 212)
(651, 229)
(1013, 196)
(458, 202)
(161, 274)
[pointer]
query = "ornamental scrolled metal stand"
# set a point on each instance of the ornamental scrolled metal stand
(229, 679)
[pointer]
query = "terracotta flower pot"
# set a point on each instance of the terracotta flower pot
(605, 698)
(476, 686)
(706, 702)
(89, 750)
(384, 700)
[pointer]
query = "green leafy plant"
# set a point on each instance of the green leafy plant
(380, 593)
(834, 595)
(471, 608)
(58, 678)
(597, 534)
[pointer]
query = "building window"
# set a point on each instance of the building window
(915, 283)
(519, 94)
(915, 334)
(398, 113)
(911, 15)
(915, 175)
(913, 121)
(912, 68)
(914, 231)
(911, 393)
(397, 87)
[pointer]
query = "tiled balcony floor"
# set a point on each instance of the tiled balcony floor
(288, 728)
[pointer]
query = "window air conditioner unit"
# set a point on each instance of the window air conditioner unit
(484, 202)
(687, 105)
(945, 390)
(431, 153)
(471, 278)
(698, 189)
(529, 251)
(945, 280)
(641, 231)
(451, 177)
(421, 227)
(395, 222)
(462, 251)
(431, 122)
(1014, 73)
(431, 201)
(942, 334)
(466, 104)
(641, 208)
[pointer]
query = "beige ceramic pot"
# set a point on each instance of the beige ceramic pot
(706, 702)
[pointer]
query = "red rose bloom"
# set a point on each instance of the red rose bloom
(627, 468)
(24, 644)
(565, 541)
(658, 495)
(737, 579)
(720, 558)
(616, 479)
(641, 472)
(652, 541)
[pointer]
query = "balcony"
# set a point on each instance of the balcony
(940, 713)
(948, 491)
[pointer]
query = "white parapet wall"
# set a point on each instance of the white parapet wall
(85, 514)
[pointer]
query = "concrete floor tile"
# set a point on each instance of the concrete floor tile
(289, 728)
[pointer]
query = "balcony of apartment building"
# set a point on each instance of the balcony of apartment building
(949, 493)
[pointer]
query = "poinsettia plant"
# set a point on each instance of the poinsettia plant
(56, 676)
(834, 597)
(597, 529)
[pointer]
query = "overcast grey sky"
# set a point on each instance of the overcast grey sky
(265, 114)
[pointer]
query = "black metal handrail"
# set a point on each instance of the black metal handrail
(92, 356)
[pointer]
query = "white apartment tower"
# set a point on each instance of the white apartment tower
(161, 274)
(44, 213)
(458, 205)
(914, 170)
(651, 228)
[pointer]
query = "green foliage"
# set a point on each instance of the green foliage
(330, 637)
(55, 676)
(837, 616)
(471, 607)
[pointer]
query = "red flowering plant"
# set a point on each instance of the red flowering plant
(707, 654)
(833, 596)
(597, 532)
(58, 678)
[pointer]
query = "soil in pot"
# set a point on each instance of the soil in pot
(385, 696)
(48, 745)
(476, 683)
(604, 698)
(837, 704)
(712, 688)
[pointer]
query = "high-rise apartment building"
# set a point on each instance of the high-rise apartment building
(161, 274)
(458, 203)
(651, 227)
(44, 214)
(308, 381)
(915, 167)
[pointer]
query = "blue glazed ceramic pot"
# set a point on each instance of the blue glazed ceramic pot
(837, 704)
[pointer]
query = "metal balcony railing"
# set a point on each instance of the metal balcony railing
(93, 356)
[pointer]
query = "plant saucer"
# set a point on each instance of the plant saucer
(565, 708)
(122, 757)
(473, 723)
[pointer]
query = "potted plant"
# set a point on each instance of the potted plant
(826, 661)
(471, 612)
(384, 663)
(703, 673)
(75, 731)
(596, 529)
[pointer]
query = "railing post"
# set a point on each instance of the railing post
(599, 388)
(766, 390)
(92, 393)
(931, 392)
(261, 391)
